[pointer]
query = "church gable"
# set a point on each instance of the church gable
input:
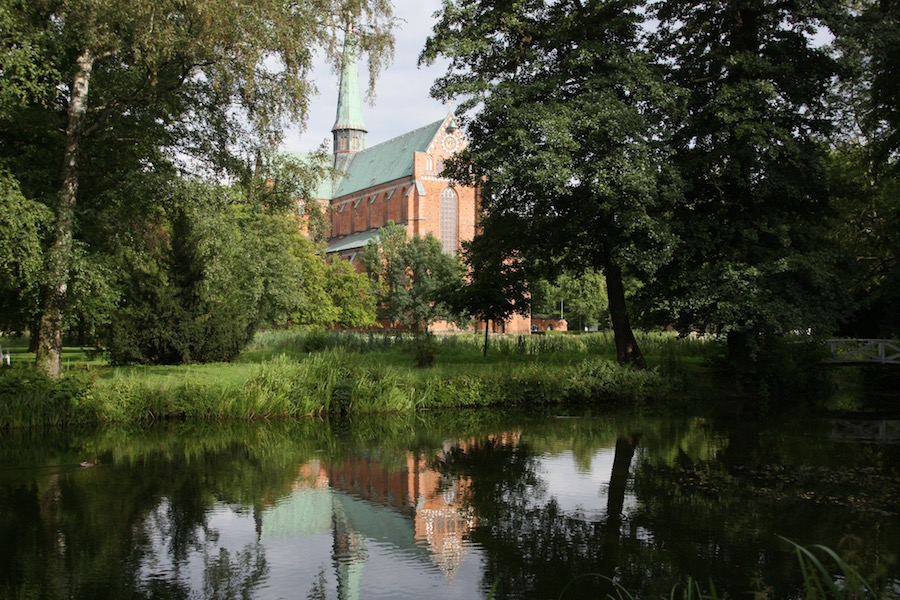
(388, 161)
(447, 141)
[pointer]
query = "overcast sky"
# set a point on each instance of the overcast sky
(402, 102)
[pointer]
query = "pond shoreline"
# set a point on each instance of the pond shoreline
(297, 375)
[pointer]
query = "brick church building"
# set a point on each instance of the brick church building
(398, 180)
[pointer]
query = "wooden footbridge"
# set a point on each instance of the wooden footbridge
(855, 351)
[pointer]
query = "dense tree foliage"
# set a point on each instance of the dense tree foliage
(866, 226)
(22, 223)
(743, 173)
(412, 276)
(703, 148)
(868, 42)
(496, 284)
(97, 90)
(752, 257)
(569, 139)
(351, 294)
(211, 269)
(863, 167)
(189, 272)
(580, 298)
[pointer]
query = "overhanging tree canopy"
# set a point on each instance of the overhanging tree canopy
(130, 82)
(753, 258)
(569, 139)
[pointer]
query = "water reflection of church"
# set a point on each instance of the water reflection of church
(421, 514)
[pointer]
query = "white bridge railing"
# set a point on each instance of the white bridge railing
(877, 431)
(852, 351)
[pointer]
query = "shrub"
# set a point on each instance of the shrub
(424, 349)
(605, 379)
(28, 398)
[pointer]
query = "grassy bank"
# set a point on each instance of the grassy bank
(291, 374)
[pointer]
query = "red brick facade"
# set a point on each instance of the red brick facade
(413, 199)
(418, 198)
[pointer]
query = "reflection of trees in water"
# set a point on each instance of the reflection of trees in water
(718, 516)
(234, 575)
(129, 531)
(319, 590)
(709, 503)
(532, 548)
(172, 550)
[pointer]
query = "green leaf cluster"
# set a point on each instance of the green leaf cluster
(23, 223)
(753, 255)
(213, 268)
(412, 277)
(104, 103)
(581, 299)
(737, 167)
(568, 143)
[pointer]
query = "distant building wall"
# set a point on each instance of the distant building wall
(550, 324)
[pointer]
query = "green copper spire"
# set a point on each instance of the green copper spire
(349, 129)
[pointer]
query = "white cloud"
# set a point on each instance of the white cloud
(402, 102)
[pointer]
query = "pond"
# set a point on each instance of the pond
(445, 505)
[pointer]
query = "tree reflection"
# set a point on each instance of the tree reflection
(125, 530)
(717, 506)
(679, 498)
(533, 549)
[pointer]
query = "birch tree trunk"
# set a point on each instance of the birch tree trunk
(60, 256)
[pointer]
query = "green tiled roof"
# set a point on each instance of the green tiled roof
(352, 242)
(387, 161)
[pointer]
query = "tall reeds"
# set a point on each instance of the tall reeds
(292, 374)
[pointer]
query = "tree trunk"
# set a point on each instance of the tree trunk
(33, 329)
(627, 350)
(486, 322)
(60, 256)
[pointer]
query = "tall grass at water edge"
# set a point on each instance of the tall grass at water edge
(662, 349)
(826, 575)
(335, 381)
(290, 374)
(28, 399)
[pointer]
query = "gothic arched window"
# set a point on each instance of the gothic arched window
(449, 221)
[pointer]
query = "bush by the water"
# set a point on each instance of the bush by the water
(28, 398)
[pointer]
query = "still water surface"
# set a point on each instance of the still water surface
(445, 505)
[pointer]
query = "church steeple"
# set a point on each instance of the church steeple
(349, 131)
